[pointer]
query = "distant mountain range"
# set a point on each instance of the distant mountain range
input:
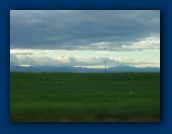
(119, 68)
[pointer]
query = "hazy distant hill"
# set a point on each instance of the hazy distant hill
(119, 68)
(124, 68)
(25, 69)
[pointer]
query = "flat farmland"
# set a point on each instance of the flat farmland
(84, 97)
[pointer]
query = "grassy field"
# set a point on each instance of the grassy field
(89, 97)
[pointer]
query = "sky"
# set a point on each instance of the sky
(85, 38)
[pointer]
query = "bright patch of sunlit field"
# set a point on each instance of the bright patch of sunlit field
(85, 97)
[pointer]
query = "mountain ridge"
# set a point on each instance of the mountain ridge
(119, 68)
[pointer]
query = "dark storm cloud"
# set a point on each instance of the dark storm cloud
(81, 29)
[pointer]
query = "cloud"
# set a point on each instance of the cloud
(147, 43)
(110, 30)
(77, 61)
(13, 59)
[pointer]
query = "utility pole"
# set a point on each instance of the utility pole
(105, 66)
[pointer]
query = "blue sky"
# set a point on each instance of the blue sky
(85, 38)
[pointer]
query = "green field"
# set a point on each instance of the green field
(85, 97)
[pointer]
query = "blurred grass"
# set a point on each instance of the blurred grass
(66, 97)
